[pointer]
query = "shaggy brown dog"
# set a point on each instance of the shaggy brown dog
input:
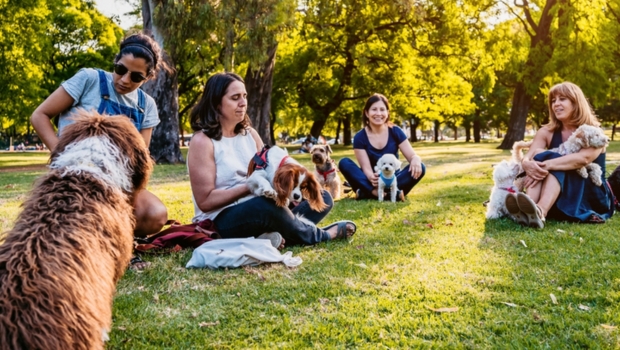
(73, 239)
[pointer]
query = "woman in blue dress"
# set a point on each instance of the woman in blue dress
(565, 195)
(378, 137)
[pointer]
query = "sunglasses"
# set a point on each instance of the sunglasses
(121, 70)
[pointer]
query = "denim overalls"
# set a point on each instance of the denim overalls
(113, 108)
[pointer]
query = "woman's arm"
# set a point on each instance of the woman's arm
(415, 162)
(364, 161)
(202, 170)
(256, 137)
(573, 161)
(41, 118)
(146, 135)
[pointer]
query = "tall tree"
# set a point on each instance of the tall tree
(538, 26)
(164, 147)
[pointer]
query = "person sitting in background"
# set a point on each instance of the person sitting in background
(307, 144)
(565, 195)
(378, 137)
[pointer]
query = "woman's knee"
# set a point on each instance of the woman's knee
(151, 214)
(344, 163)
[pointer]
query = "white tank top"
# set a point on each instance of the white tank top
(232, 156)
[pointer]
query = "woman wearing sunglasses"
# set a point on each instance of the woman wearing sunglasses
(112, 93)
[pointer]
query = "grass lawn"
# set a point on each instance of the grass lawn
(427, 273)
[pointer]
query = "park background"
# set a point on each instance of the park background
(469, 69)
(427, 273)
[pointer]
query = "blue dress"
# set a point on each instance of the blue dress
(579, 198)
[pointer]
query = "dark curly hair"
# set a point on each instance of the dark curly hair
(205, 115)
(143, 46)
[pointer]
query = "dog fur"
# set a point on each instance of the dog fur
(504, 174)
(386, 167)
(72, 241)
(584, 137)
(325, 169)
(285, 181)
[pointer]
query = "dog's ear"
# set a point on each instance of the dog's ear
(284, 182)
(328, 149)
(251, 167)
(311, 189)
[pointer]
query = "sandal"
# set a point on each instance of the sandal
(531, 209)
(342, 231)
(137, 264)
(512, 206)
(595, 219)
(277, 241)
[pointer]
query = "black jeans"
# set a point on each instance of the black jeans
(261, 214)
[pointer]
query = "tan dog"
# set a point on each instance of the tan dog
(325, 169)
(73, 239)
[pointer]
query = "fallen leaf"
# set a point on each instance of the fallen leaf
(208, 324)
(429, 225)
(580, 240)
(156, 297)
(359, 246)
(536, 316)
(384, 283)
(407, 222)
(561, 231)
(509, 304)
(449, 223)
(584, 307)
(444, 309)
(606, 326)
(121, 328)
(362, 265)
(553, 299)
(456, 207)
(523, 242)
(324, 301)
(238, 294)
(439, 203)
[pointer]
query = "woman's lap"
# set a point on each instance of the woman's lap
(260, 214)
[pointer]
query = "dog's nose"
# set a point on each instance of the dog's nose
(296, 196)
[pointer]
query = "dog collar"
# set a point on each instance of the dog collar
(325, 173)
(387, 181)
(509, 189)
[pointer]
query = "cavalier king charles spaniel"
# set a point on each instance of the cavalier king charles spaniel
(273, 174)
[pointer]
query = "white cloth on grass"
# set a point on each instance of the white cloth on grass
(236, 252)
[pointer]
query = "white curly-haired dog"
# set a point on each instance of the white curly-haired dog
(386, 167)
(584, 137)
(504, 174)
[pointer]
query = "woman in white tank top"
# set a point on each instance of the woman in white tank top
(219, 154)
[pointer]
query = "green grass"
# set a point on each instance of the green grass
(379, 289)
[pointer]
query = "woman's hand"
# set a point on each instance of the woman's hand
(529, 182)
(535, 170)
(374, 179)
(415, 165)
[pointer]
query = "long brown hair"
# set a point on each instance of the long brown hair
(205, 115)
(370, 101)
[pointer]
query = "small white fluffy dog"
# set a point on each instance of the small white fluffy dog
(283, 179)
(584, 137)
(504, 174)
(387, 166)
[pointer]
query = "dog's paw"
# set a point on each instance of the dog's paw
(270, 193)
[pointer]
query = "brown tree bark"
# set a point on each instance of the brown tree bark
(258, 84)
(165, 139)
(541, 51)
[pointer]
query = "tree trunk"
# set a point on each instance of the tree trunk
(413, 128)
(456, 136)
(164, 90)
(436, 130)
(518, 115)
(338, 131)
(541, 51)
(613, 131)
(346, 130)
(477, 128)
(317, 127)
(258, 84)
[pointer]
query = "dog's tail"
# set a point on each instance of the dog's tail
(517, 150)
